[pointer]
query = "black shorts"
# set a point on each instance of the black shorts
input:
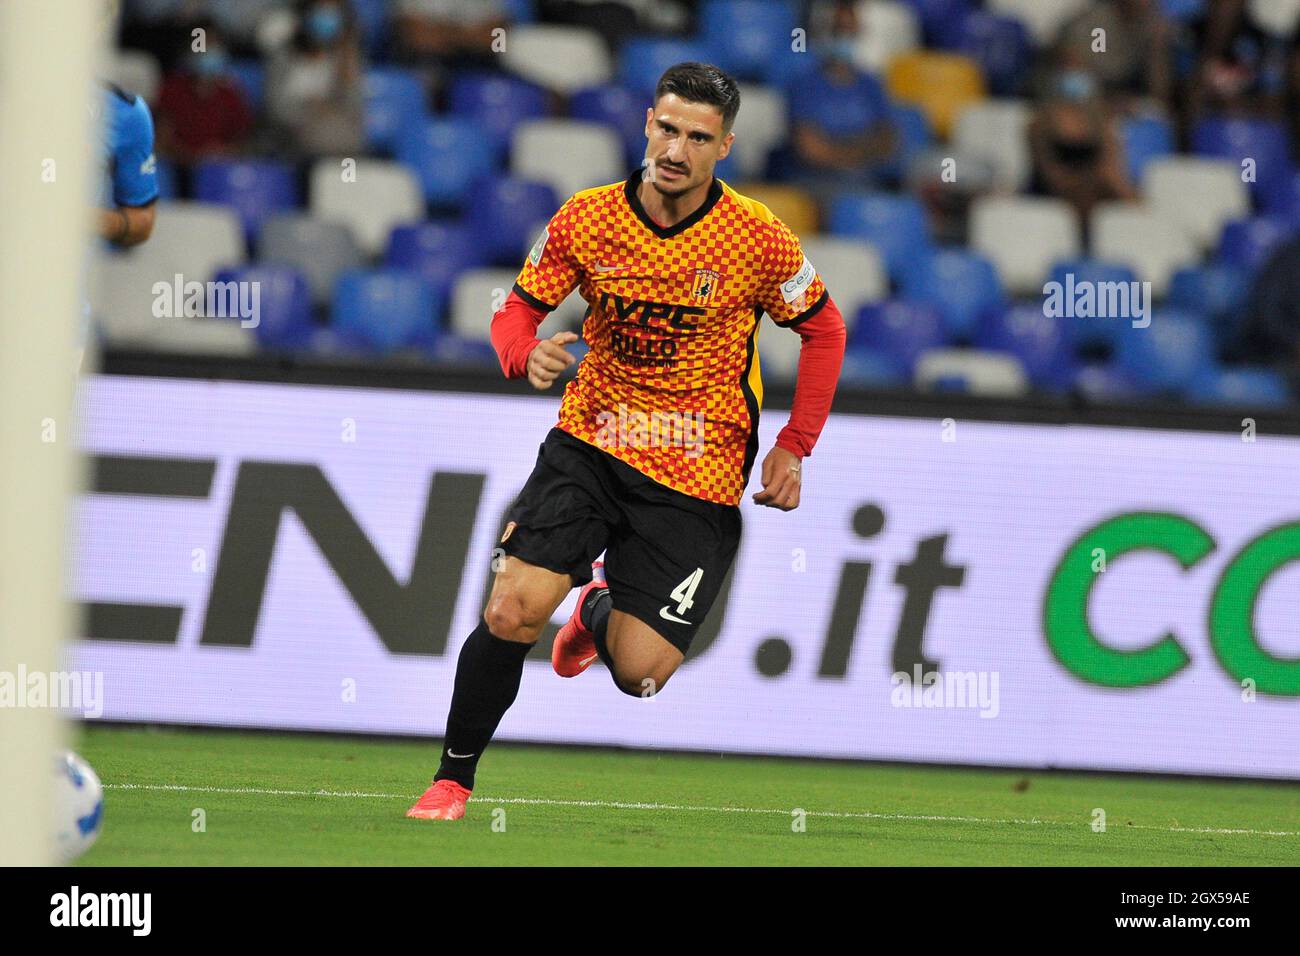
(666, 553)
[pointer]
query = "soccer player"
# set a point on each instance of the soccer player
(129, 188)
(658, 431)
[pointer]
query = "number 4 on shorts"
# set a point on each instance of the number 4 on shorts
(684, 595)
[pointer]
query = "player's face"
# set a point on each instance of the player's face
(684, 142)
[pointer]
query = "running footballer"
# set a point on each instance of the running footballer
(678, 269)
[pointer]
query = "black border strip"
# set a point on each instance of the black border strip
(531, 299)
(633, 200)
(807, 314)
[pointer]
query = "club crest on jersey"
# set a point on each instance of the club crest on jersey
(706, 283)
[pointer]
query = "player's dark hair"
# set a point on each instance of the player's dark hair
(702, 83)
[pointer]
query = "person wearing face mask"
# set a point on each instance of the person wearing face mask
(314, 88)
(202, 111)
(1075, 149)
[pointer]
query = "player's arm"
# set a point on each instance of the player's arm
(135, 181)
(546, 279)
(797, 298)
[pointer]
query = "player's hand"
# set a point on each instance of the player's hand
(549, 358)
(781, 480)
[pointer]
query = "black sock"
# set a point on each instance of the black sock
(487, 680)
(595, 618)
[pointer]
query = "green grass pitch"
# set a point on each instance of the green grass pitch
(314, 800)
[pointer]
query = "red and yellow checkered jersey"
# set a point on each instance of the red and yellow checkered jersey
(671, 382)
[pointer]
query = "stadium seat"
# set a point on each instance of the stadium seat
(914, 136)
(993, 374)
(567, 155)
(394, 100)
(250, 77)
(894, 224)
(384, 309)
(1242, 387)
(254, 189)
(377, 195)
(193, 239)
(941, 84)
(321, 249)
(942, 20)
(997, 130)
(372, 18)
(1103, 382)
(1092, 331)
(851, 269)
(136, 71)
(1169, 183)
(761, 126)
(165, 172)
(285, 319)
(794, 207)
(1001, 46)
(1023, 236)
(496, 104)
(886, 28)
(1145, 138)
(642, 60)
(1169, 353)
(1215, 289)
(560, 58)
(1143, 239)
(899, 329)
(962, 285)
(453, 350)
(439, 251)
(507, 215)
(618, 108)
(1264, 143)
(476, 295)
(778, 351)
(1247, 243)
(1043, 344)
(447, 155)
(1043, 18)
(869, 368)
(751, 39)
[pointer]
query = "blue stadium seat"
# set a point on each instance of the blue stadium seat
(1264, 141)
(496, 103)
(385, 309)
(914, 136)
(394, 100)
(438, 251)
(1001, 46)
(1043, 344)
(372, 24)
(250, 76)
(1282, 197)
(284, 301)
(898, 329)
(167, 184)
(1242, 387)
(447, 155)
(963, 285)
(454, 350)
(894, 224)
(616, 107)
(751, 39)
(255, 189)
(1145, 138)
(1247, 243)
(942, 21)
(506, 215)
(1091, 332)
(1215, 289)
(1170, 352)
(521, 11)
(1105, 382)
(869, 368)
(642, 60)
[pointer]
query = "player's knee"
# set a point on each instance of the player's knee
(510, 619)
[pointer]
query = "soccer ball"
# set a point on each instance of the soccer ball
(78, 806)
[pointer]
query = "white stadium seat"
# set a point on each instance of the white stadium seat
(194, 239)
(479, 292)
(761, 125)
(985, 373)
(851, 269)
(1146, 241)
(561, 58)
(996, 130)
(886, 29)
(778, 351)
(137, 72)
(1024, 236)
(382, 195)
(567, 155)
(1043, 18)
(1198, 194)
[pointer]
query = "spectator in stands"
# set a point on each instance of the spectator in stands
(1243, 69)
(841, 132)
(314, 87)
(1134, 61)
(1075, 146)
(202, 111)
(1271, 323)
(448, 34)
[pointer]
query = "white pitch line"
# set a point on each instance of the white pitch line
(687, 808)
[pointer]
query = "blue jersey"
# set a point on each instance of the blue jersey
(129, 170)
